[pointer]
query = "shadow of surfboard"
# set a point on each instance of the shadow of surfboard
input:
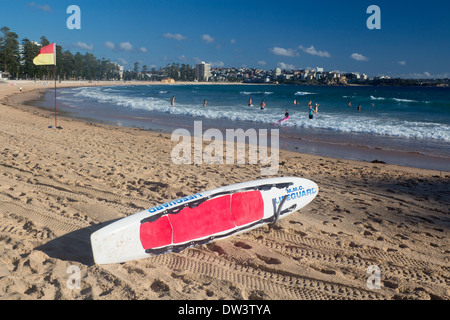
(74, 246)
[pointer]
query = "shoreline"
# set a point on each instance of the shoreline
(59, 186)
(334, 145)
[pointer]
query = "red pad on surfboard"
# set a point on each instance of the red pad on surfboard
(210, 217)
(157, 233)
(247, 207)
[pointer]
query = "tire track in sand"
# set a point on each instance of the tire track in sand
(279, 285)
(355, 259)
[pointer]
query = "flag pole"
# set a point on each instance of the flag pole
(46, 57)
(56, 126)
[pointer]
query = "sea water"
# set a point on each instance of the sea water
(409, 120)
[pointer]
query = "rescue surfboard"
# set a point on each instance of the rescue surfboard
(281, 120)
(201, 218)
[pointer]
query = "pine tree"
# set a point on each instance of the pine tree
(10, 52)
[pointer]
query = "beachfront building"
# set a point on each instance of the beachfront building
(4, 75)
(202, 71)
(120, 70)
(355, 77)
(276, 73)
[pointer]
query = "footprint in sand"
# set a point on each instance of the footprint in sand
(268, 260)
(160, 287)
(242, 245)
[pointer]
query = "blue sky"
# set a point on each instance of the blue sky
(414, 40)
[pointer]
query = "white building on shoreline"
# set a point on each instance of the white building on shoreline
(202, 71)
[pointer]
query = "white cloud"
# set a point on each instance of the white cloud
(41, 7)
(312, 51)
(175, 36)
(217, 64)
(207, 38)
(110, 45)
(122, 61)
(144, 50)
(286, 66)
(125, 46)
(402, 63)
(262, 62)
(233, 41)
(84, 46)
(284, 52)
(359, 57)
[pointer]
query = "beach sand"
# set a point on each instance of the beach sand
(59, 186)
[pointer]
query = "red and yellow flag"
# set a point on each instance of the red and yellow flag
(46, 56)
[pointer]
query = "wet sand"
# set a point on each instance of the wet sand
(59, 186)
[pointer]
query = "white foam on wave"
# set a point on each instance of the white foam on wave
(248, 93)
(142, 103)
(373, 126)
(300, 93)
(403, 100)
(394, 99)
(339, 122)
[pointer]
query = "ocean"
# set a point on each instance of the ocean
(399, 125)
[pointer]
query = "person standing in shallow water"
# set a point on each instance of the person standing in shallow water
(172, 100)
(263, 105)
(359, 108)
(311, 112)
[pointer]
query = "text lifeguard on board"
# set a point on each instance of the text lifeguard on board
(296, 193)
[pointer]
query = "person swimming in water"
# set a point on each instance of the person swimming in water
(263, 105)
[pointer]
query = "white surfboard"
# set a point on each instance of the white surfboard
(201, 218)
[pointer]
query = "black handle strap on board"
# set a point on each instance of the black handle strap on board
(277, 213)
